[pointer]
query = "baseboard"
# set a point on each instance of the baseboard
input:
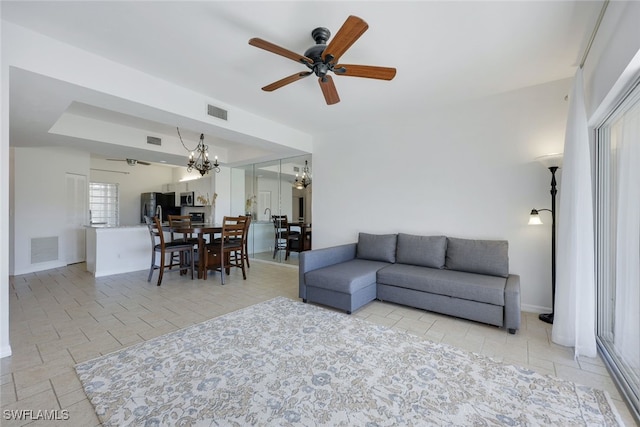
(43, 266)
(5, 351)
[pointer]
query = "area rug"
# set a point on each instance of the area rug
(283, 362)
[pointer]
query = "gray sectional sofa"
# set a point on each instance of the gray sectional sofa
(460, 277)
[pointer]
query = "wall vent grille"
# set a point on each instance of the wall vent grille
(154, 140)
(44, 249)
(216, 112)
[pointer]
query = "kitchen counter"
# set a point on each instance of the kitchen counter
(117, 249)
(114, 226)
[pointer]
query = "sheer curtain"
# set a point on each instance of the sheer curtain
(625, 137)
(574, 318)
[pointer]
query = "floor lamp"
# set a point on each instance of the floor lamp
(534, 219)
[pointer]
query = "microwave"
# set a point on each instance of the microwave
(187, 199)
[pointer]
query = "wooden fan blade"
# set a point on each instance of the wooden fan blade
(270, 47)
(282, 82)
(347, 35)
(143, 163)
(367, 71)
(329, 90)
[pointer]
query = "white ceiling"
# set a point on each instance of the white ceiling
(444, 52)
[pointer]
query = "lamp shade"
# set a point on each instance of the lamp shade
(534, 218)
(549, 160)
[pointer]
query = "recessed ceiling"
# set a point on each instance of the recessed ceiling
(445, 52)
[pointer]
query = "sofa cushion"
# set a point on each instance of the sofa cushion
(456, 284)
(427, 251)
(377, 247)
(478, 256)
(347, 277)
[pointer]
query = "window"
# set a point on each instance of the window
(103, 203)
(618, 244)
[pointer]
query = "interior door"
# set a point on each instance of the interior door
(77, 208)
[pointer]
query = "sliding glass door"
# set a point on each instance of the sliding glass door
(618, 244)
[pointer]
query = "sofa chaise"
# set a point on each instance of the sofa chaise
(465, 278)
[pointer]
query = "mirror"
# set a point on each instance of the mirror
(266, 189)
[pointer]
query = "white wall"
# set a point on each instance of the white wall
(223, 189)
(464, 171)
(39, 208)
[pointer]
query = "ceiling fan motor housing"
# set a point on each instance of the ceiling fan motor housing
(320, 68)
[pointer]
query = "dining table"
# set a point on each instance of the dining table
(201, 230)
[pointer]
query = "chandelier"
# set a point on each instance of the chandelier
(199, 158)
(302, 182)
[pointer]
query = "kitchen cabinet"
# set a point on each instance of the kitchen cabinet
(116, 250)
(203, 190)
(177, 188)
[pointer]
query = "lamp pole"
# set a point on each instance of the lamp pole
(548, 317)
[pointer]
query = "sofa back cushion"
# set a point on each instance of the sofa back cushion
(478, 256)
(425, 251)
(377, 247)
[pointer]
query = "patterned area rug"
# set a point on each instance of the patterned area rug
(283, 362)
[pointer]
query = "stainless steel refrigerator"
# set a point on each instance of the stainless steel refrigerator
(149, 203)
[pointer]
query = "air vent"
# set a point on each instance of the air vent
(154, 140)
(216, 112)
(296, 169)
(44, 249)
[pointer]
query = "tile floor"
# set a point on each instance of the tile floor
(280, 257)
(65, 316)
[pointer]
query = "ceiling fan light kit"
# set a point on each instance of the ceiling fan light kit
(322, 58)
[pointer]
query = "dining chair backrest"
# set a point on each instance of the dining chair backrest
(233, 228)
(177, 221)
(228, 251)
(246, 229)
(245, 240)
(280, 222)
(281, 226)
(158, 244)
(155, 231)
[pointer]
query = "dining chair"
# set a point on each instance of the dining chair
(176, 221)
(245, 238)
(282, 231)
(184, 221)
(229, 250)
(164, 248)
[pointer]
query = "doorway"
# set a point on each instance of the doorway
(76, 218)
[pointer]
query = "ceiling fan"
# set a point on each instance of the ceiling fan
(131, 162)
(323, 58)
